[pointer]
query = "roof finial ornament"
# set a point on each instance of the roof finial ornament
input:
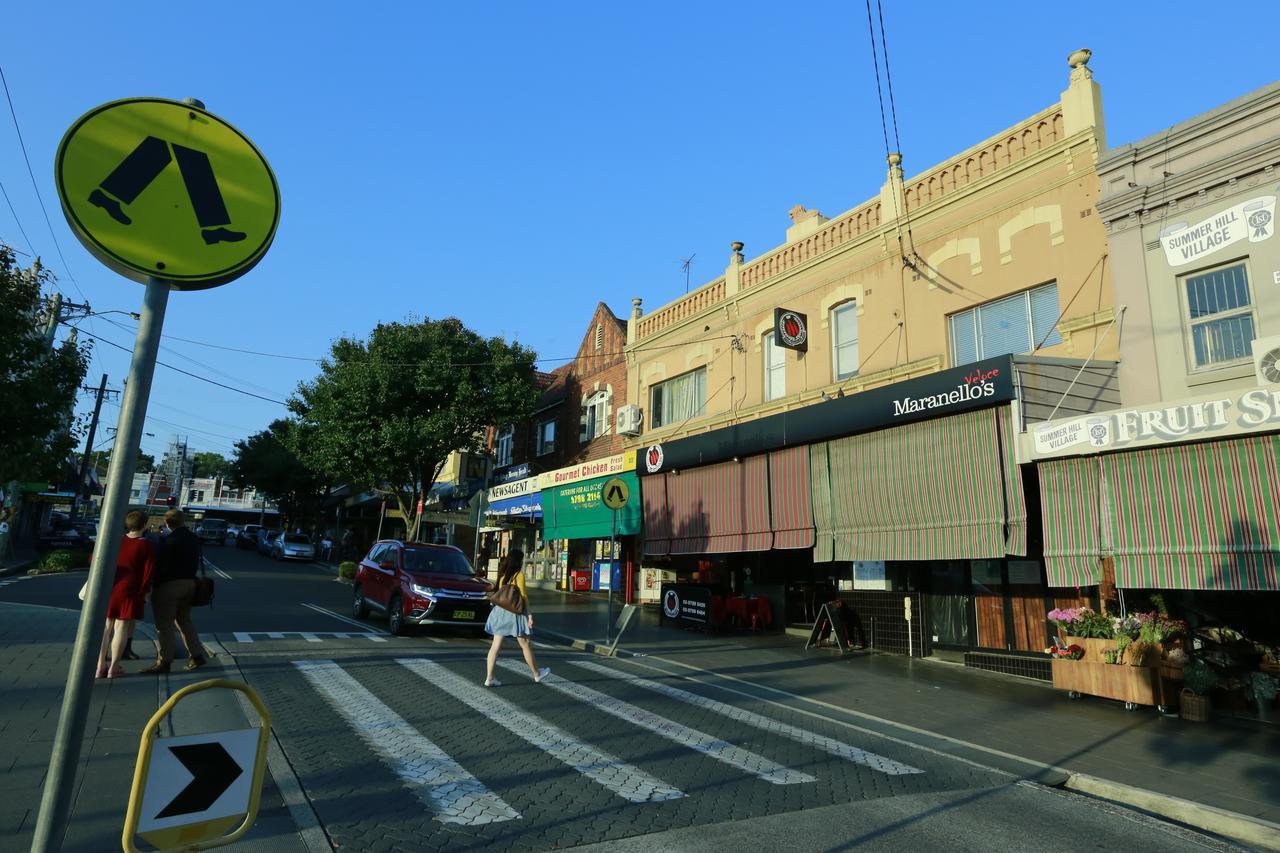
(1079, 62)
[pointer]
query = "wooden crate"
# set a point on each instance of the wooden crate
(1140, 685)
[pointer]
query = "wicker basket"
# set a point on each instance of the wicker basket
(1193, 707)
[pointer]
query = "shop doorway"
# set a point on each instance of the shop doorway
(950, 605)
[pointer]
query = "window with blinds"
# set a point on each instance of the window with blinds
(678, 399)
(844, 340)
(775, 368)
(1015, 324)
(1220, 319)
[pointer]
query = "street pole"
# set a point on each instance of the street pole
(613, 548)
(88, 447)
(55, 803)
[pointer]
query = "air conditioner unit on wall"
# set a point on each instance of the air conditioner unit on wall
(1266, 360)
(629, 420)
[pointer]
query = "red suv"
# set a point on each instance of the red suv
(419, 584)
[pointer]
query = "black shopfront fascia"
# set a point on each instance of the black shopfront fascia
(948, 392)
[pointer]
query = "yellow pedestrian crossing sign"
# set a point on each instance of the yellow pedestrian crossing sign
(160, 189)
(615, 493)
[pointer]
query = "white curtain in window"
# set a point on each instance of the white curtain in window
(845, 340)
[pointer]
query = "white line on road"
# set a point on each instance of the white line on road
(309, 636)
(440, 782)
(740, 715)
(627, 781)
(713, 747)
(317, 608)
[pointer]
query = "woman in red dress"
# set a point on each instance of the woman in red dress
(134, 568)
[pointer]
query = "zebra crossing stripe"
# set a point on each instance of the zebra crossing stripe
(627, 781)
(309, 636)
(242, 637)
(438, 781)
(712, 747)
(750, 718)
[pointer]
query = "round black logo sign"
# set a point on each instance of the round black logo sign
(671, 604)
(792, 329)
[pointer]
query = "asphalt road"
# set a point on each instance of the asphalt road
(398, 746)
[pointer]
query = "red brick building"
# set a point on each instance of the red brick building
(574, 419)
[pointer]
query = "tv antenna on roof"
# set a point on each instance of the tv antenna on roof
(685, 265)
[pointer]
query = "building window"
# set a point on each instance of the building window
(503, 447)
(1219, 316)
(678, 399)
(775, 368)
(596, 414)
(844, 340)
(1015, 324)
(546, 437)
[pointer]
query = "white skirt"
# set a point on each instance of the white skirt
(504, 623)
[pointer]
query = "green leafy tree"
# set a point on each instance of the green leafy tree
(102, 460)
(38, 386)
(389, 411)
(267, 462)
(209, 464)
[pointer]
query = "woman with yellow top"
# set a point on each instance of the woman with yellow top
(503, 623)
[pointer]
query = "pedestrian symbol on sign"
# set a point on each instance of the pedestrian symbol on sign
(163, 190)
(136, 172)
(615, 493)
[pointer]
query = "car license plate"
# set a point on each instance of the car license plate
(464, 614)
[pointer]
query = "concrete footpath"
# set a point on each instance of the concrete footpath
(35, 643)
(1222, 776)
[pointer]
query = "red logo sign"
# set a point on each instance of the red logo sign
(791, 329)
(653, 458)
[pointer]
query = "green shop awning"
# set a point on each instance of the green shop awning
(1069, 501)
(941, 489)
(1196, 516)
(577, 512)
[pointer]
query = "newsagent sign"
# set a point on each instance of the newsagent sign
(1252, 411)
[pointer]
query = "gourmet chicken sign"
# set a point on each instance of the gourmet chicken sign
(1253, 220)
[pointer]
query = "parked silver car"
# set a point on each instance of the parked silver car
(292, 546)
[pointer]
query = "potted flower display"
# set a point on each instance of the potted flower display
(1198, 679)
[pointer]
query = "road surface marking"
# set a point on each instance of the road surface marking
(627, 781)
(6, 581)
(438, 781)
(713, 747)
(309, 636)
(437, 640)
(740, 715)
(317, 608)
(222, 574)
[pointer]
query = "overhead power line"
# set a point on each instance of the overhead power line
(30, 246)
(36, 186)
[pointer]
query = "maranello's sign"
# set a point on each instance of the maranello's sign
(975, 385)
(1257, 410)
(1253, 220)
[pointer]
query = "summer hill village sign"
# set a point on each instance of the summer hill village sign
(1255, 410)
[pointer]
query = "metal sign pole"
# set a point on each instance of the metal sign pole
(55, 803)
(613, 549)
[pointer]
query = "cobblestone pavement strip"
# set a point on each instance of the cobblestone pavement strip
(629, 782)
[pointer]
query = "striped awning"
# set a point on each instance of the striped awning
(932, 490)
(824, 516)
(720, 508)
(1196, 516)
(657, 518)
(1069, 503)
(791, 498)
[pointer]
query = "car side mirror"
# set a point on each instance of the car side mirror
(389, 565)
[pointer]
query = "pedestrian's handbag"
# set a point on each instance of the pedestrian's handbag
(204, 588)
(508, 597)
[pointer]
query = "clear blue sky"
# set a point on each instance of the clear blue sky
(513, 163)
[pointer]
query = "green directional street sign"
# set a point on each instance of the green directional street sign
(160, 189)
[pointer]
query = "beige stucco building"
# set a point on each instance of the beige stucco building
(1190, 216)
(997, 250)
